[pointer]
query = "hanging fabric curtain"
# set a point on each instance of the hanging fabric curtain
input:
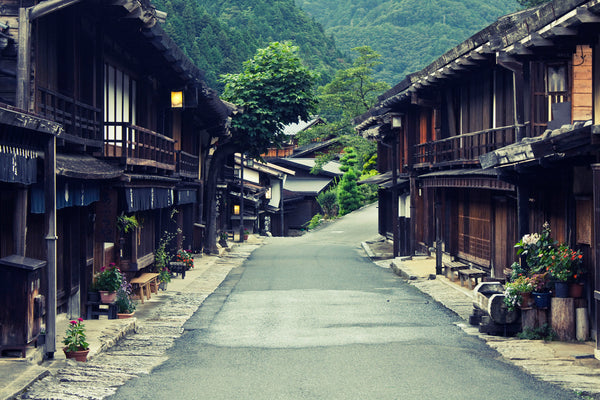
(140, 199)
(68, 194)
(18, 165)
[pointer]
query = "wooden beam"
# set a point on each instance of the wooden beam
(537, 40)
(559, 31)
(519, 50)
(585, 16)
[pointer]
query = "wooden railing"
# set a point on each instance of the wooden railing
(138, 146)
(80, 120)
(187, 165)
(463, 149)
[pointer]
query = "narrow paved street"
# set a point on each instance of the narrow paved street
(312, 318)
(138, 353)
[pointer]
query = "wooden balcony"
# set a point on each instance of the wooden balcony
(137, 146)
(463, 149)
(82, 122)
(188, 165)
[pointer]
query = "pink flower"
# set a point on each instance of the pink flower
(73, 322)
(80, 319)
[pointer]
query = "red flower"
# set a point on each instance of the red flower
(80, 319)
(73, 322)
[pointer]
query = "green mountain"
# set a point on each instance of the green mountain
(220, 35)
(409, 34)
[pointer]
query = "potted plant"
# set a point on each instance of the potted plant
(164, 277)
(517, 293)
(126, 224)
(540, 294)
(75, 343)
(537, 249)
(108, 281)
(246, 233)
(564, 267)
(125, 304)
(223, 239)
(185, 256)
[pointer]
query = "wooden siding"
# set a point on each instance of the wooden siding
(474, 227)
(582, 84)
(504, 226)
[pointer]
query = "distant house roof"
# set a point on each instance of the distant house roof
(305, 150)
(293, 129)
(267, 168)
(332, 168)
(306, 186)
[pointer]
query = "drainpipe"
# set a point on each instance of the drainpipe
(26, 15)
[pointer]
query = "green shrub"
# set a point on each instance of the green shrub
(315, 221)
(544, 332)
(329, 203)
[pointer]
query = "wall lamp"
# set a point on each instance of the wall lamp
(177, 99)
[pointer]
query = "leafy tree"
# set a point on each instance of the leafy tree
(353, 90)
(408, 33)
(274, 89)
(349, 197)
(531, 3)
(349, 159)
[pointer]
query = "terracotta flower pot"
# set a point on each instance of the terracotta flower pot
(79, 355)
(125, 315)
(107, 297)
(576, 290)
(526, 300)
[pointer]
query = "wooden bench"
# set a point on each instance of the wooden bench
(469, 275)
(144, 284)
(452, 267)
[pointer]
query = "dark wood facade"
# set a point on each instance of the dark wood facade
(501, 133)
(101, 79)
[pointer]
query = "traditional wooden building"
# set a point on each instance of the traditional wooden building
(301, 190)
(259, 209)
(133, 122)
(497, 136)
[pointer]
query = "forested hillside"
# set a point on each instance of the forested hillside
(220, 35)
(408, 33)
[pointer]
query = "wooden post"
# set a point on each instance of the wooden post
(20, 223)
(438, 233)
(533, 318)
(581, 324)
(51, 238)
(414, 192)
(396, 238)
(23, 69)
(596, 253)
(563, 318)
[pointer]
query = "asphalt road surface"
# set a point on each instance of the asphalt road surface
(313, 318)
